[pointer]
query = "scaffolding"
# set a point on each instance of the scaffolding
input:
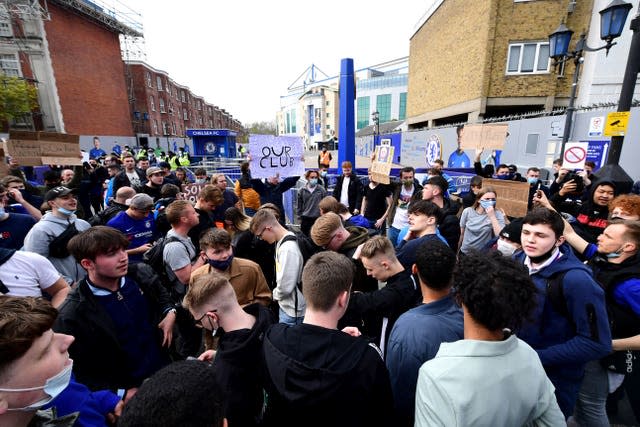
(114, 15)
(24, 9)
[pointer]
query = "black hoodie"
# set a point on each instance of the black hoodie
(239, 369)
(320, 376)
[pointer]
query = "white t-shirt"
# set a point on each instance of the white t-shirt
(134, 179)
(344, 194)
(401, 218)
(27, 273)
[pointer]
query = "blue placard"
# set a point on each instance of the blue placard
(597, 152)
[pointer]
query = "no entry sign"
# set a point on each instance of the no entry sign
(575, 154)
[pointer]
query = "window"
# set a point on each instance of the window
(174, 128)
(328, 103)
(10, 65)
(383, 105)
(162, 110)
(532, 143)
(402, 111)
(185, 114)
(5, 28)
(328, 115)
(152, 103)
(528, 58)
(147, 77)
(362, 112)
(182, 96)
(199, 106)
(328, 126)
(155, 127)
(159, 82)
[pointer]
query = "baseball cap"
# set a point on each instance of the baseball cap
(512, 231)
(152, 170)
(58, 191)
(140, 202)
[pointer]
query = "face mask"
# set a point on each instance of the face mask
(66, 212)
(506, 249)
(221, 265)
(214, 330)
(487, 203)
(201, 180)
(407, 182)
(313, 182)
(503, 177)
(615, 254)
(532, 181)
(52, 387)
(323, 174)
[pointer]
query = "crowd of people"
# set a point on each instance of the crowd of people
(388, 304)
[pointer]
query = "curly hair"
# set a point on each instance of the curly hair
(435, 262)
(629, 203)
(496, 291)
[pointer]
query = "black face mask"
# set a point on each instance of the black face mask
(542, 258)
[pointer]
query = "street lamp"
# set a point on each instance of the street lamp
(612, 19)
(375, 116)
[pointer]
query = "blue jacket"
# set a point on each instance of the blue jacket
(566, 344)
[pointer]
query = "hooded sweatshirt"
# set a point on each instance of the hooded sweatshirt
(47, 229)
(566, 342)
(320, 376)
(239, 368)
(357, 236)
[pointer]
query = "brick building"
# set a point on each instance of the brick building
(468, 63)
(162, 107)
(71, 51)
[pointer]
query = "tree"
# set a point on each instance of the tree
(17, 97)
(262, 128)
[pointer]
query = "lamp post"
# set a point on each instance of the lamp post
(612, 19)
(375, 116)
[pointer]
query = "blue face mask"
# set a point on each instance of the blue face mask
(532, 181)
(221, 265)
(2, 211)
(66, 212)
(313, 182)
(505, 177)
(487, 203)
(52, 388)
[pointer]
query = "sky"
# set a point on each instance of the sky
(242, 55)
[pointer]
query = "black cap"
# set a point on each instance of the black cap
(512, 231)
(58, 191)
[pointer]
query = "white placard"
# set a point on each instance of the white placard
(596, 126)
(575, 154)
(271, 155)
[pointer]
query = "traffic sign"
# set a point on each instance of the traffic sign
(616, 124)
(575, 154)
(596, 125)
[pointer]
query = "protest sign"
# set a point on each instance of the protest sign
(42, 148)
(271, 155)
(489, 137)
(512, 196)
(191, 191)
(381, 166)
(575, 155)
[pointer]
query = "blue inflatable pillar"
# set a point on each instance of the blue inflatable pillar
(346, 131)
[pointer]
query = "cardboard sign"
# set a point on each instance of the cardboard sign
(616, 124)
(512, 196)
(191, 191)
(575, 155)
(489, 137)
(44, 148)
(381, 166)
(271, 155)
(4, 168)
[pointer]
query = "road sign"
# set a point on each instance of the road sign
(596, 126)
(575, 154)
(616, 124)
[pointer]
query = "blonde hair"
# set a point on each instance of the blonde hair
(324, 227)
(207, 287)
(378, 245)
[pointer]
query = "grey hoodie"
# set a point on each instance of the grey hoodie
(47, 229)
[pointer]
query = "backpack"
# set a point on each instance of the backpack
(154, 257)
(307, 247)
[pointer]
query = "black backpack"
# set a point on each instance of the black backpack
(306, 245)
(154, 257)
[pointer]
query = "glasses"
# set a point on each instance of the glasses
(198, 322)
(259, 235)
(329, 242)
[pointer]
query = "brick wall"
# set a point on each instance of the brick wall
(447, 56)
(532, 21)
(89, 74)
